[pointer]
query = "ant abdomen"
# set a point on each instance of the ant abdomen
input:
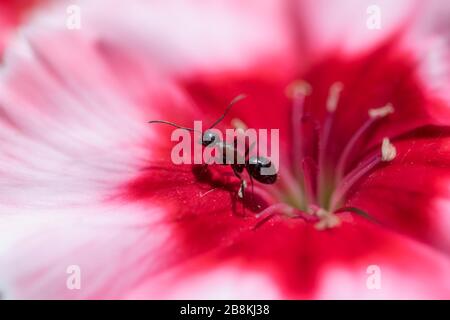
(255, 168)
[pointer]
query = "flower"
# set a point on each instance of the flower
(364, 150)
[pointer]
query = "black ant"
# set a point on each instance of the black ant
(253, 165)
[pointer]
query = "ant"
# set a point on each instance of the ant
(253, 165)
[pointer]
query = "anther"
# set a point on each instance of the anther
(375, 115)
(381, 112)
(239, 124)
(388, 151)
(297, 89)
(333, 96)
(328, 220)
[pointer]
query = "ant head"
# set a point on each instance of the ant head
(209, 138)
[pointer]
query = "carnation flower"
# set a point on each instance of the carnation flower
(88, 186)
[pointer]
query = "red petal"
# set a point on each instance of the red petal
(403, 194)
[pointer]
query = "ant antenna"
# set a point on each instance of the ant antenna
(232, 103)
(171, 124)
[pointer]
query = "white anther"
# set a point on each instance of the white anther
(388, 150)
(239, 124)
(381, 112)
(333, 96)
(328, 220)
(321, 213)
(298, 88)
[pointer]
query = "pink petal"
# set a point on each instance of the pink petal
(71, 135)
(343, 24)
(195, 36)
(12, 14)
(111, 245)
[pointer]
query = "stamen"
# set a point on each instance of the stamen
(351, 179)
(333, 96)
(332, 103)
(308, 167)
(281, 209)
(374, 114)
(291, 187)
(328, 220)
(388, 151)
(297, 91)
(298, 88)
(381, 112)
(278, 208)
(239, 124)
(268, 195)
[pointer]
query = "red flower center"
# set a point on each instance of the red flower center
(333, 135)
(317, 187)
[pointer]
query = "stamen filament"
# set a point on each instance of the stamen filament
(292, 188)
(297, 115)
(284, 210)
(374, 114)
(277, 208)
(308, 176)
(264, 194)
(351, 179)
(297, 91)
(332, 103)
(343, 159)
(321, 174)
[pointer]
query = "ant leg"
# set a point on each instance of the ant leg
(241, 191)
(253, 191)
(247, 153)
(241, 194)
